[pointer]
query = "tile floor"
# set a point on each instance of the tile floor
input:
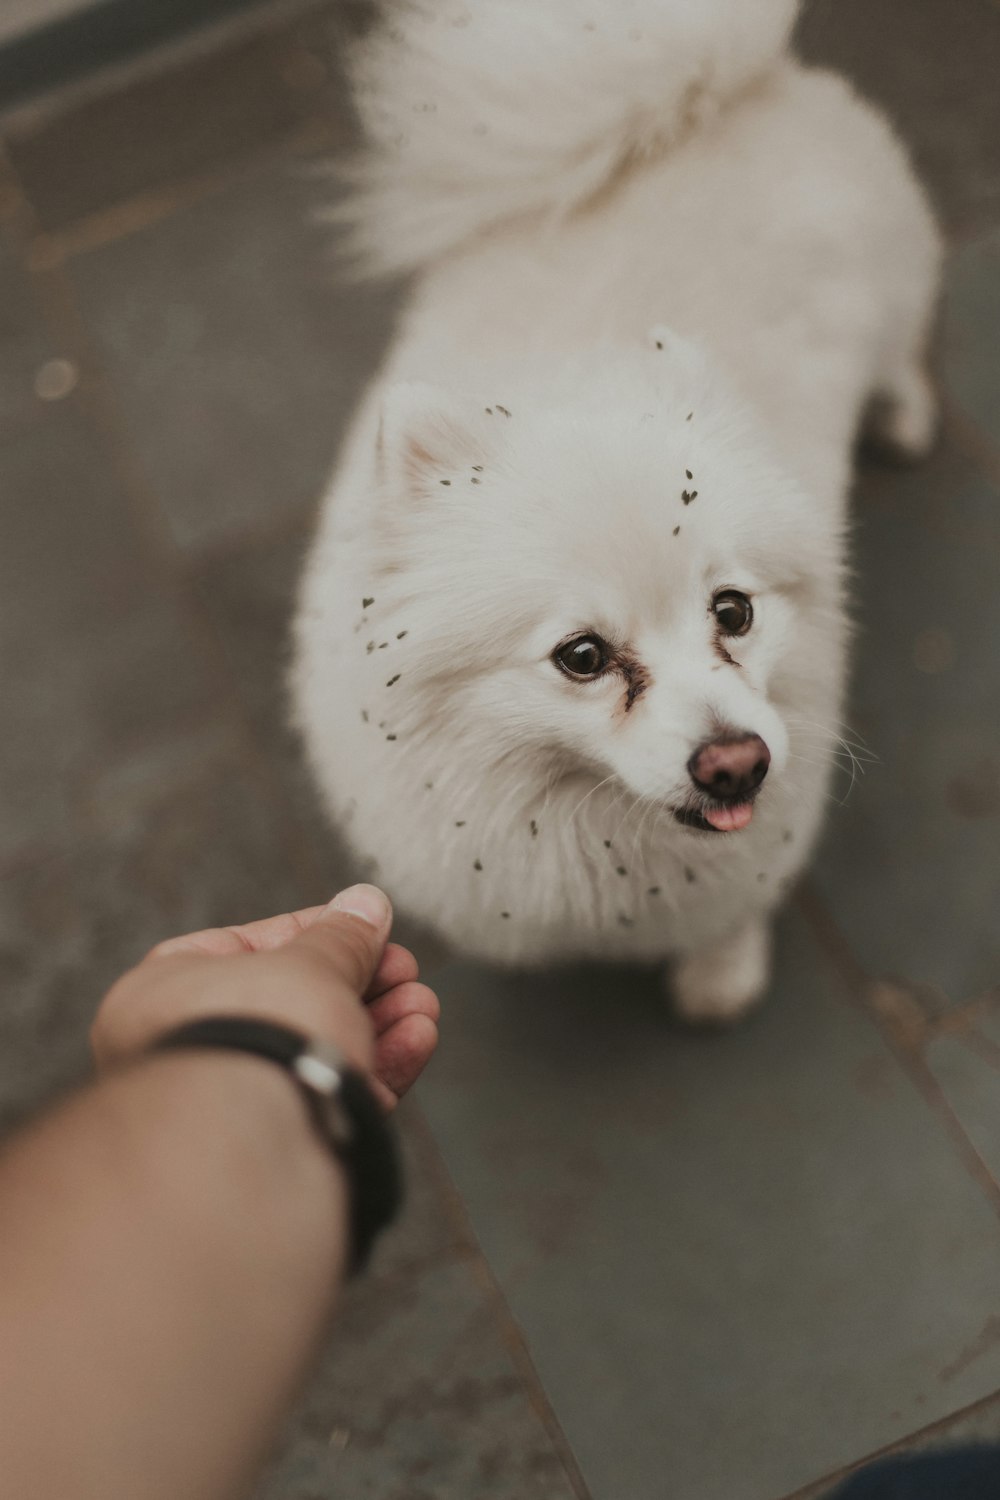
(636, 1263)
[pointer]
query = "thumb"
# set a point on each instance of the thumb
(350, 934)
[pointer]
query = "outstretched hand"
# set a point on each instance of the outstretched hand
(329, 971)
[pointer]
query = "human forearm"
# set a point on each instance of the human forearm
(177, 1232)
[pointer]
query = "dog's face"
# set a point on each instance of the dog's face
(624, 589)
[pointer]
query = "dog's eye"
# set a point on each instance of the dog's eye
(583, 656)
(733, 611)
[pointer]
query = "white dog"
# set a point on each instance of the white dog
(571, 642)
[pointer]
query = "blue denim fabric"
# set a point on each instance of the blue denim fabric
(963, 1474)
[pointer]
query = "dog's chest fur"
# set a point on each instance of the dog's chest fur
(539, 876)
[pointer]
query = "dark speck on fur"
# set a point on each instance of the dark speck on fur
(688, 474)
(505, 914)
(786, 837)
(444, 481)
(477, 468)
(401, 634)
(689, 416)
(382, 645)
(607, 843)
(460, 823)
(503, 409)
(390, 736)
(365, 603)
(654, 890)
(477, 864)
(761, 877)
(428, 786)
(677, 531)
(621, 870)
(370, 647)
(688, 495)
(534, 829)
(689, 875)
(625, 921)
(364, 716)
(475, 480)
(394, 679)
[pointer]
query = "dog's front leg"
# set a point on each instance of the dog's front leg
(718, 986)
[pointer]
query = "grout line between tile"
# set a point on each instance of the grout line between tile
(257, 20)
(48, 250)
(818, 1488)
(936, 1099)
(500, 1311)
(966, 1017)
(987, 1050)
(820, 919)
(897, 1015)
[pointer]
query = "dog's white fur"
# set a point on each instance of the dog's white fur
(650, 244)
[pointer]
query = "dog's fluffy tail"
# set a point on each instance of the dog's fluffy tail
(480, 111)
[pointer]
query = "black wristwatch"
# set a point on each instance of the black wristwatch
(340, 1102)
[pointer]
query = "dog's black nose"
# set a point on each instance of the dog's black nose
(730, 767)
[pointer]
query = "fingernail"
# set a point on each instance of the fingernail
(364, 901)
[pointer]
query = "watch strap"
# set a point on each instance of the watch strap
(341, 1103)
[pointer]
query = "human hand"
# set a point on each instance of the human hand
(328, 971)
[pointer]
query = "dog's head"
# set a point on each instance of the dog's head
(611, 575)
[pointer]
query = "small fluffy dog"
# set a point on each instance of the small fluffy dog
(571, 642)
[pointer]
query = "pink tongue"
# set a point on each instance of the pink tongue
(729, 819)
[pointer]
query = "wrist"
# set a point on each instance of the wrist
(236, 1119)
(344, 1111)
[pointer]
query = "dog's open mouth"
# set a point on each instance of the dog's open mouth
(716, 817)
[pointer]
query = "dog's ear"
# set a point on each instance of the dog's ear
(430, 438)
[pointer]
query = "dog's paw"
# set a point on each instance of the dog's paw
(719, 986)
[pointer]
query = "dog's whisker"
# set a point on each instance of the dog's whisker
(854, 770)
(637, 844)
(850, 741)
(585, 798)
(634, 801)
